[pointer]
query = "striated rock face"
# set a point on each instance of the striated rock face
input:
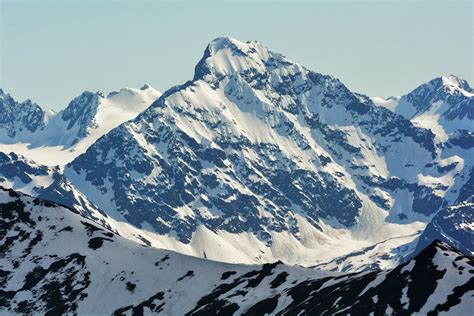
(54, 261)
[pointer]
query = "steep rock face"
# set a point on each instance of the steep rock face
(54, 261)
(454, 224)
(48, 183)
(81, 112)
(16, 171)
(18, 117)
(255, 142)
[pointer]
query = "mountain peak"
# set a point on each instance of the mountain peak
(446, 84)
(89, 94)
(453, 81)
(145, 93)
(220, 43)
(225, 55)
(82, 109)
(4, 95)
(145, 86)
(438, 89)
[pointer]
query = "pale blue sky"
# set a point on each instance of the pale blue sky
(51, 51)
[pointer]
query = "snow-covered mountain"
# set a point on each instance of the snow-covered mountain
(257, 146)
(57, 138)
(54, 261)
(445, 105)
(259, 156)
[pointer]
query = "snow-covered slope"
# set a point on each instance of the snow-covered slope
(258, 146)
(57, 138)
(383, 255)
(54, 261)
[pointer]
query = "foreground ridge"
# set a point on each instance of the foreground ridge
(53, 260)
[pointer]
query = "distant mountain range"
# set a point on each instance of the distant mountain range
(54, 261)
(57, 138)
(257, 159)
